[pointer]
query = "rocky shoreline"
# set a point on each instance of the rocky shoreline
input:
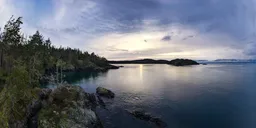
(66, 106)
(70, 106)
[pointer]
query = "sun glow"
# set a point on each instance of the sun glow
(141, 71)
(136, 46)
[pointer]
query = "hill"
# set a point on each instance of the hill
(142, 61)
(175, 62)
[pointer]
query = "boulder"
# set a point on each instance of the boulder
(105, 92)
(141, 115)
(147, 117)
(158, 122)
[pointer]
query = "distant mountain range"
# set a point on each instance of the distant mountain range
(152, 61)
(228, 61)
(235, 60)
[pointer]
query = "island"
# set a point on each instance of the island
(141, 61)
(175, 62)
(182, 62)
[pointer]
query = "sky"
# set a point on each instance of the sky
(136, 29)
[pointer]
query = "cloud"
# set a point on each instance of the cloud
(185, 38)
(6, 11)
(116, 49)
(203, 47)
(250, 49)
(166, 38)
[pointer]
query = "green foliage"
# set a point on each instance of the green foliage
(11, 34)
(39, 56)
(15, 96)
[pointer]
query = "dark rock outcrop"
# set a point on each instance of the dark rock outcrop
(34, 108)
(101, 102)
(105, 92)
(32, 116)
(66, 106)
(69, 106)
(93, 99)
(44, 94)
(182, 62)
(149, 118)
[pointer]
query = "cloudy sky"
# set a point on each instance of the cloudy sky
(134, 29)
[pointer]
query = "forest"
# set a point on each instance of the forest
(25, 62)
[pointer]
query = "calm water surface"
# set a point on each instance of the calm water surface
(204, 96)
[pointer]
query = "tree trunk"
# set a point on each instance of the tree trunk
(57, 76)
(2, 58)
(61, 74)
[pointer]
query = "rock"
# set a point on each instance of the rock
(34, 108)
(147, 117)
(101, 102)
(32, 113)
(111, 67)
(92, 98)
(182, 62)
(158, 122)
(69, 106)
(136, 98)
(44, 94)
(105, 92)
(141, 115)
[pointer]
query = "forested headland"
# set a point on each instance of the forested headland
(24, 62)
(38, 56)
